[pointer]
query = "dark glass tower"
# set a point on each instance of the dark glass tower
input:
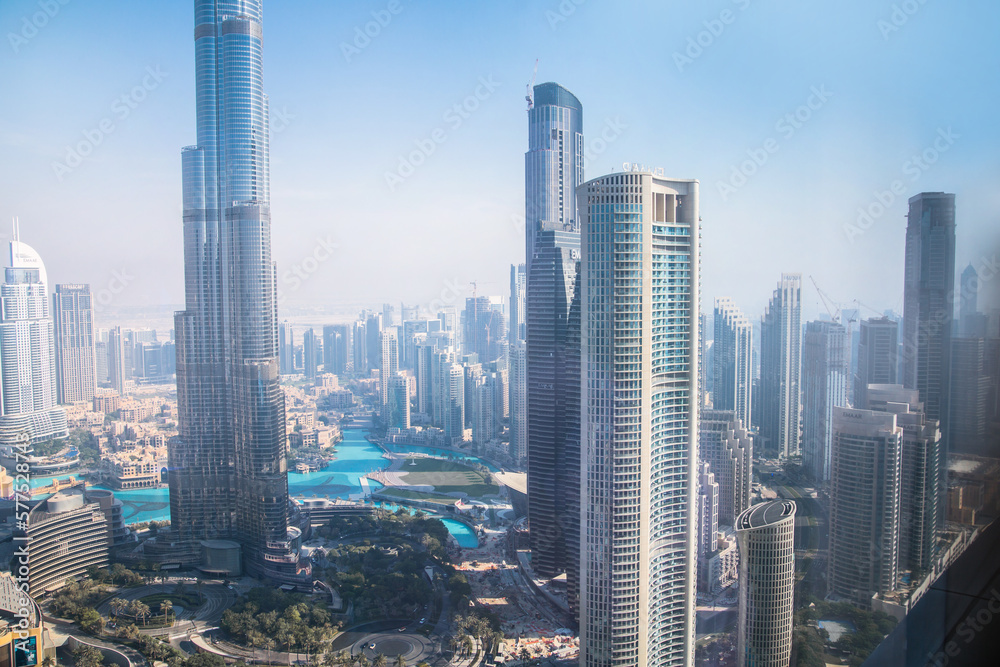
(553, 170)
(227, 467)
(928, 300)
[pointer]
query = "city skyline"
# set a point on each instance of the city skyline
(865, 134)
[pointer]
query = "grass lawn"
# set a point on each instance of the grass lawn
(417, 495)
(448, 477)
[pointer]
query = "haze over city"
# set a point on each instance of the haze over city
(831, 104)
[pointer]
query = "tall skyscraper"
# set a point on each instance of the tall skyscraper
(453, 381)
(518, 401)
(865, 481)
(286, 349)
(928, 300)
(310, 355)
(397, 411)
(765, 533)
(825, 370)
(389, 353)
(639, 361)
(553, 171)
(727, 447)
(422, 365)
(336, 348)
(878, 355)
(227, 470)
(971, 323)
(922, 493)
(732, 360)
(780, 365)
(28, 409)
(517, 363)
(119, 364)
(73, 312)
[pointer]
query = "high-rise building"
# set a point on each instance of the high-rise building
(825, 370)
(878, 355)
(310, 355)
(359, 351)
(483, 328)
(227, 470)
(765, 533)
(518, 401)
(119, 365)
(517, 362)
(398, 405)
(732, 360)
(373, 341)
(922, 492)
(411, 331)
(553, 172)
(639, 285)
(337, 348)
(73, 313)
(971, 323)
(441, 361)
(968, 403)
(389, 353)
(422, 366)
(928, 300)
(708, 511)
(780, 365)
(865, 485)
(286, 349)
(28, 410)
(453, 381)
(727, 447)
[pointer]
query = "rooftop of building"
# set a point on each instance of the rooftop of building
(765, 514)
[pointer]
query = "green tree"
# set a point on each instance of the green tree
(167, 607)
(380, 661)
(87, 656)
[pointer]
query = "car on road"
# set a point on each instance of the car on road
(423, 620)
(402, 629)
(372, 646)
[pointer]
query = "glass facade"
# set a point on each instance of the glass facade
(639, 358)
(227, 471)
(553, 171)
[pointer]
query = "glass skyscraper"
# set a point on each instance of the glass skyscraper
(639, 285)
(227, 470)
(780, 365)
(553, 170)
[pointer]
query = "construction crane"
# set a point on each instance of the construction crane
(530, 93)
(866, 306)
(834, 314)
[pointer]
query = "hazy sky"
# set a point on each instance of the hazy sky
(695, 88)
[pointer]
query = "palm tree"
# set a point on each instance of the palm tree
(166, 607)
(139, 609)
(400, 661)
(118, 606)
(269, 645)
(380, 661)
(363, 661)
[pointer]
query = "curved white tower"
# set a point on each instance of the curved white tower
(28, 409)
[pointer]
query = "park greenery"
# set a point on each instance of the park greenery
(270, 618)
(809, 641)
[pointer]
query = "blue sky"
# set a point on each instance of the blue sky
(886, 80)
